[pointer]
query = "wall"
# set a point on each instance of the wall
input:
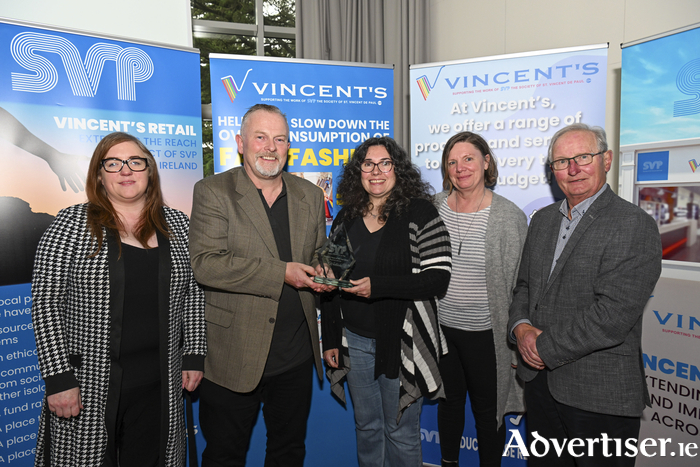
(477, 28)
(164, 21)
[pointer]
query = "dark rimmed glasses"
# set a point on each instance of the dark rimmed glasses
(581, 159)
(136, 164)
(384, 166)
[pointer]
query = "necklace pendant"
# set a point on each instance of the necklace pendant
(459, 251)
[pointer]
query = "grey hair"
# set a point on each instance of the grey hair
(267, 108)
(597, 132)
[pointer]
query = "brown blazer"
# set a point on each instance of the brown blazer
(234, 255)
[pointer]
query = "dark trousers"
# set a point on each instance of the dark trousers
(554, 420)
(137, 434)
(227, 418)
(470, 367)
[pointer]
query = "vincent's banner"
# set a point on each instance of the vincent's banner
(60, 93)
(516, 102)
(331, 107)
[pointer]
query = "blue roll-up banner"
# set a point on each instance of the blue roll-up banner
(331, 108)
(660, 146)
(60, 93)
(516, 102)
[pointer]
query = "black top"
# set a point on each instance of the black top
(358, 312)
(395, 286)
(290, 339)
(139, 354)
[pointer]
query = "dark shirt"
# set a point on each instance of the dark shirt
(358, 312)
(290, 340)
(139, 351)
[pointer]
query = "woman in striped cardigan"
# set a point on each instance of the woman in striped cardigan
(382, 333)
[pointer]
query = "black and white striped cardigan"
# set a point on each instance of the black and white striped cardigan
(411, 270)
(73, 307)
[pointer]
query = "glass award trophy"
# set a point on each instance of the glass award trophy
(336, 255)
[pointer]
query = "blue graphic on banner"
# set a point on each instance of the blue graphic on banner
(60, 94)
(516, 102)
(73, 69)
(652, 166)
(331, 109)
(660, 93)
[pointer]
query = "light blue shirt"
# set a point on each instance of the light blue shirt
(567, 226)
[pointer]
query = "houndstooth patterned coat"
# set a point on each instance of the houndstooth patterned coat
(72, 313)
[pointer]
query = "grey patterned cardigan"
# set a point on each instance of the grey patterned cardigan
(505, 236)
(77, 304)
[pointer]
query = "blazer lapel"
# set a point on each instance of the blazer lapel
(250, 202)
(299, 217)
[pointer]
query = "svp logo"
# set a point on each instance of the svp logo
(652, 166)
(133, 65)
(425, 86)
(231, 87)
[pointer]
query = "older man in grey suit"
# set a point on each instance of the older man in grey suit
(253, 237)
(588, 268)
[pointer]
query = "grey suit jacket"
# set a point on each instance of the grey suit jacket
(590, 309)
(234, 255)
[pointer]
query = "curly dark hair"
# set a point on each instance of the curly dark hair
(409, 183)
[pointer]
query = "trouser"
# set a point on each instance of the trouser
(227, 418)
(554, 420)
(470, 367)
(381, 441)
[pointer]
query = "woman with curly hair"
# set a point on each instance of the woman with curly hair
(381, 334)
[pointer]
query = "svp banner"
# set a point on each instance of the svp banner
(660, 139)
(516, 102)
(60, 93)
(660, 136)
(331, 108)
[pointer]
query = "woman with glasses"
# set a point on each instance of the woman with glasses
(381, 333)
(487, 233)
(118, 319)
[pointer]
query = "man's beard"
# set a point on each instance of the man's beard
(271, 172)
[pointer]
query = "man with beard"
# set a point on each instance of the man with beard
(253, 237)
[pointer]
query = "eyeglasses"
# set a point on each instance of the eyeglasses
(136, 164)
(384, 166)
(581, 159)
